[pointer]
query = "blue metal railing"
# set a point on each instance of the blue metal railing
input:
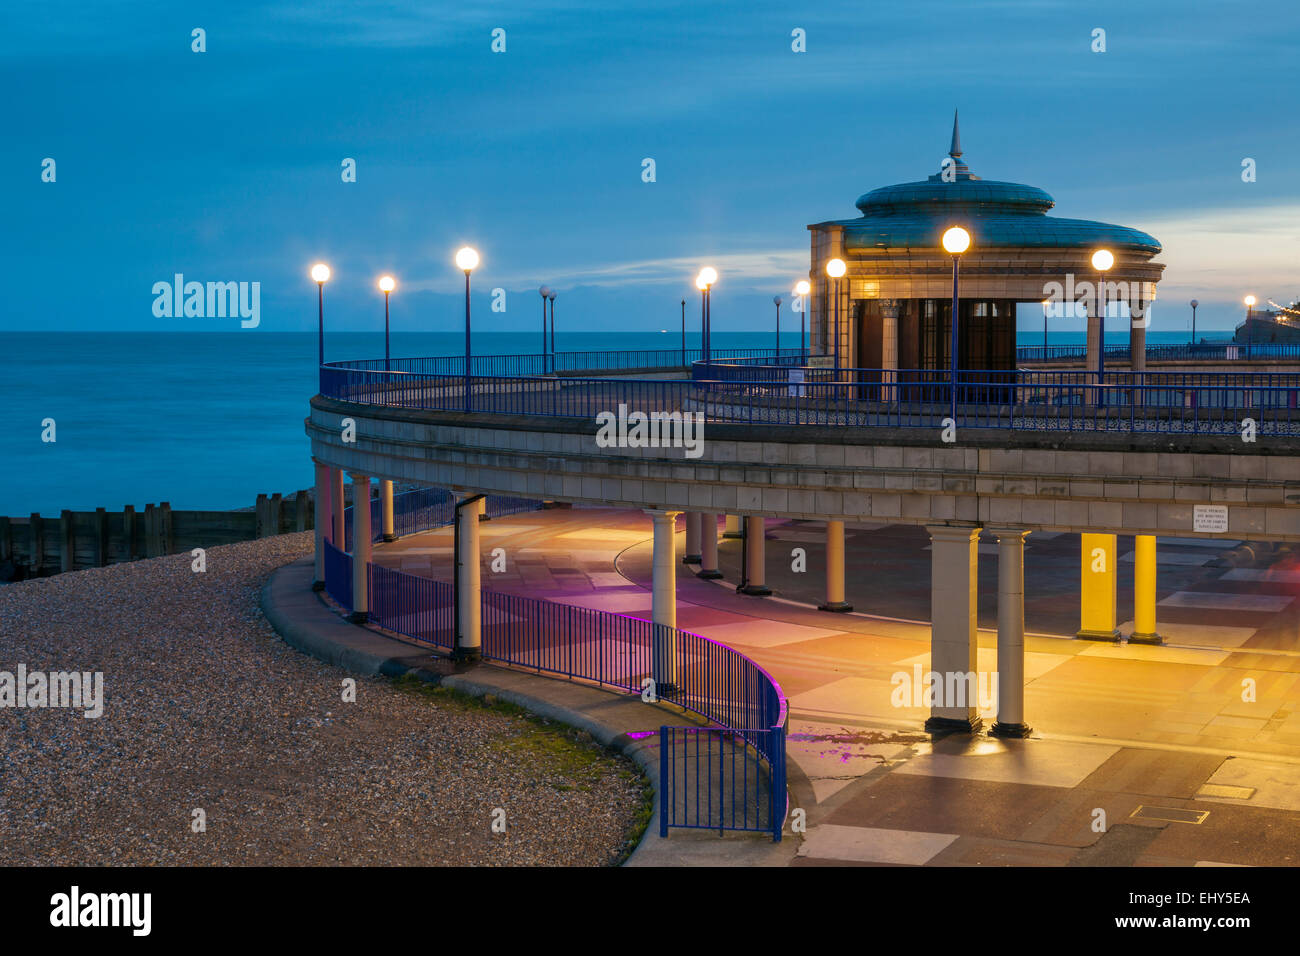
(1022, 400)
(742, 783)
(1205, 352)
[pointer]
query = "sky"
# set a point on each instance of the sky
(225, 165)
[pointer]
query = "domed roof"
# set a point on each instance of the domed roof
(997, 214)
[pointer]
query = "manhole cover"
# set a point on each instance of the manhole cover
(1170, 814)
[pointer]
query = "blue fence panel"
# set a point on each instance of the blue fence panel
(338, 575)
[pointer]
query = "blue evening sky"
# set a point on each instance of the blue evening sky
(225, 165)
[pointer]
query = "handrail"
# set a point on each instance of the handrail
(770, 704)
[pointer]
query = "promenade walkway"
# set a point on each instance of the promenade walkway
(1151, 731)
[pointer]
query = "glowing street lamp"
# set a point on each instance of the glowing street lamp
(777, 299)
(1250, 306)
(544, 291)
(1102, 260)
(836, 269)
(704, 282)
(320, 274)
(802, 288)
(956, 241)
(467, 260)
(1194, 304)
(386, 285)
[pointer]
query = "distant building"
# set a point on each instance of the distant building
(895, 299)
(1267, 327)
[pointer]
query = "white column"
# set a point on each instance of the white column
(692, 555)
(954, 557)
(1011, 634)
(708, 546)
(386, 509)
(338, 508)
(469, 639)
(360, 547)
(835, 568)
(889, 349)
(321, 522)
(732, 528)
(755, 557)
(663, 602)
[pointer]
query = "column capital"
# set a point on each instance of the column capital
(953, 532)
(662, 514)
(358, 477)
(1009, 533)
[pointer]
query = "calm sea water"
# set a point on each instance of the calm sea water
(209, 420)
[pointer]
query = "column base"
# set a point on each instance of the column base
(359, 617)
(755, 590)
(484, 517)
(466, 655)
(318, 585)
(389, 538)
(732, 534)
(712, 575)
(839, 607)
(949, 725)
(692, 559)
(1111, 636)
(1000, 729)
(1145, 639)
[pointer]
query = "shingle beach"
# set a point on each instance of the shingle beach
(206, 708)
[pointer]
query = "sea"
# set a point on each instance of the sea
(208, 420)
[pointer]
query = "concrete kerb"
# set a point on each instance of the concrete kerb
(304, 621)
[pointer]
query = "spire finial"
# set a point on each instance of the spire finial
(955, 150)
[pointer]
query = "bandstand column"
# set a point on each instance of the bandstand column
(360, 548)
(835, 568)
(954, 561)
(1011, 634)
(708, 546)
(386, 510)
(692, 555)
(1144, 591)
(663, 602)
(1098, 582)
(755, 557)
(322, 523)
(469, 605)
(337, 509)
(889, 349)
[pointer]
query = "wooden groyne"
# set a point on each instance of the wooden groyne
(37, 546)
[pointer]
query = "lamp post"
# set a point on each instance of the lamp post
(467, 260)
(1250, 306)
(683, 333)
(836, 269)
(777, 300)
(552, 298)
(1194, 304)
(956, 240)
(704, 282)
(386, 285)
(802, 288)
(320, 274)
(1045, 301)
(1102, 260)
(544, 291)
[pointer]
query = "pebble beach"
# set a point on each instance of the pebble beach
(206, 709)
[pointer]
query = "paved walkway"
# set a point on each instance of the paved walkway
(1144, 734)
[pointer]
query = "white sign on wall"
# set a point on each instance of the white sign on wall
(1212, 519)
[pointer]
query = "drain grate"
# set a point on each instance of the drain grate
(1170, 814)
(1225, 790)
